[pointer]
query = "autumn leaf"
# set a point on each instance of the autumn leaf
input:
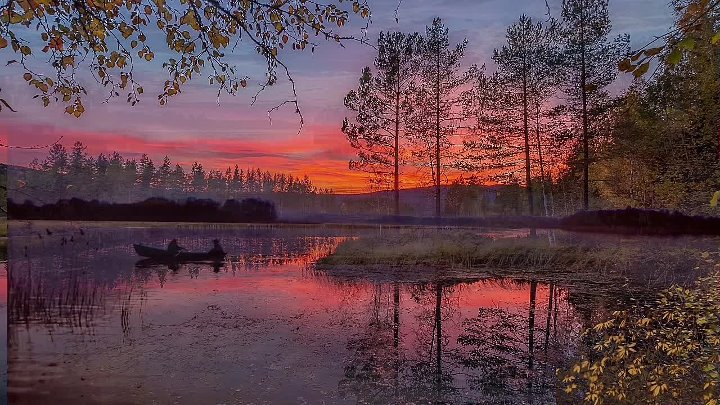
(687, 44)
(675, 57)
(641, 70)
(625, 65)
(714, 200)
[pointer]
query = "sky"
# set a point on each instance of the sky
(195, 127)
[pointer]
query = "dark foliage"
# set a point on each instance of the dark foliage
(639, 221)
(152, 209)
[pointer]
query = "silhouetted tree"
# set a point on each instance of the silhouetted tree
(162, 177)
(524, 66)
(590, 65)
(197, 178)
(439, 98)
(380, 107)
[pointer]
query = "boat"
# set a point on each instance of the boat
(164, 255)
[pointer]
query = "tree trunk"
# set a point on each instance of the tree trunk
(540, 156)
(585, 134)
(526, 128)
(437, 135)
(397, 148)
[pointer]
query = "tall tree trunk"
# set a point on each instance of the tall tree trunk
(437, 134)
(526, 128)
(397, 147)
(540, 156)
(585, 135)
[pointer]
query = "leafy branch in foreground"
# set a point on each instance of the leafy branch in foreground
(108, 36)
(693, 27)
(666, 354)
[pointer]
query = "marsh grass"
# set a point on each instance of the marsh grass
(73, 302)
(469, 254)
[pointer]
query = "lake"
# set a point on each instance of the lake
(88, 324)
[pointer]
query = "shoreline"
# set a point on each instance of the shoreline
(612, 222)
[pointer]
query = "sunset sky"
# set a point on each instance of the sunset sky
(194, 128)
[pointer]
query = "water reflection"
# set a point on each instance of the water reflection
(429, 344)
(88, 321)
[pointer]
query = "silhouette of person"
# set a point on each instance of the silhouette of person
(216, 249)
(174, 248)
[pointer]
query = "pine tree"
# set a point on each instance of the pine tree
(590, 64)
(525, 69)
(146, 174)
(380, 106)
(438, 97)
(198, 181)
(163, 174)
(178, 182)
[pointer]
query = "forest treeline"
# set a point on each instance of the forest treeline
(64, 174)
(152, 209)
(551, 114)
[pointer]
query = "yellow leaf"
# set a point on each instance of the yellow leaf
(714, 200)
(191, 19)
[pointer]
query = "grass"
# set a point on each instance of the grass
(458, 251)
(465, 254)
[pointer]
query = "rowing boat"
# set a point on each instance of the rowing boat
(164, 255)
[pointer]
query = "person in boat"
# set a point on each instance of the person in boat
(173, 247)
(216, 250)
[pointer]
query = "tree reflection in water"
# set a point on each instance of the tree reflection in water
(440, 356)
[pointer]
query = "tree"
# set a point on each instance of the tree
(57, 165)
(197, 178)
(105, 36)
(439, 97)
(215, 182)
(664, 143)
(162, 177)
(130, 177)
(146, 174)
(100, 184)
(78, 159)
(178, 179)
(237, 180)
(590, 61)
(690, 30)
(380, 105)
(525, 68)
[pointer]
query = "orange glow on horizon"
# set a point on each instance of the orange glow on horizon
(321, 153)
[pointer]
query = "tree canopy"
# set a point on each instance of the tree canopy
(108, 37)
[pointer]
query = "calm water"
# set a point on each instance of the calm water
(89, 325)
